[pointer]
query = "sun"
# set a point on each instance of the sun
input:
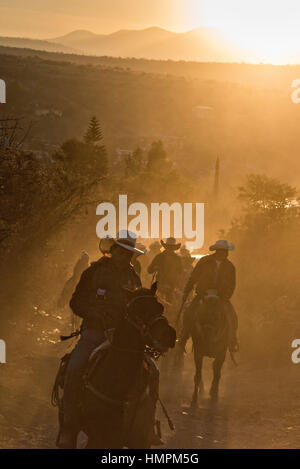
(269, 30)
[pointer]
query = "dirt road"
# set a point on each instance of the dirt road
(258, 407)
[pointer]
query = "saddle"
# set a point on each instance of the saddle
(58, 387)
(210, 326)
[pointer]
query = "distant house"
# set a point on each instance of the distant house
(122, 153)
(48, 112)
(203, 112)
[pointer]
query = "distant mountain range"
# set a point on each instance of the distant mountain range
(35, 44)
(201, 44)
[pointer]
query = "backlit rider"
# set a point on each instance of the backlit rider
(100, 300)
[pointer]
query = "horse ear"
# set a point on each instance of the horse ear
(153, 288)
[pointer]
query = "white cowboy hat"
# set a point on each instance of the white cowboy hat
(127, 240)
(171, 243)
(141, 247)
(222, 244)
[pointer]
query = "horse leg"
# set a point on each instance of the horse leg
(217, 366)
(198, 383)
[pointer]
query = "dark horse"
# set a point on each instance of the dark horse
(121, 383)
(210, 337)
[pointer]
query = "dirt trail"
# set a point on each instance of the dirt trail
(258, 408)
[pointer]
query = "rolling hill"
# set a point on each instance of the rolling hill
(201, 44)
(251, 119)
(35, 44)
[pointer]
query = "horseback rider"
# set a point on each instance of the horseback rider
(215, 273)
(167, 265)
(153, 250)
(100, 299)
(187, 262)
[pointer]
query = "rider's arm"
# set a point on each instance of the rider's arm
(229, 287)
(84, 302)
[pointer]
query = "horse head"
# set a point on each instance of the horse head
(145, 313)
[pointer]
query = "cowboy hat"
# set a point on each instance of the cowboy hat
(141, 247)
(222, 244)
(127, 240)
(170, 244)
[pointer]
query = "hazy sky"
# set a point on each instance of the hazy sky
(269, 26)
(53, 17)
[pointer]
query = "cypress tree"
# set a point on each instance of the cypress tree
(93, 133)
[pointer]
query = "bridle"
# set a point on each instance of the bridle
(145, 328)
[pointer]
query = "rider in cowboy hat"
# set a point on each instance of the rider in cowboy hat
(187, 262)
(99, 299)
(213, 277)
(167, 266)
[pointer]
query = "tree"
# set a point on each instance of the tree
(157, 158)
(268, 200)
(134, 163)
(93, 134)
(88, 155)
(217, 179)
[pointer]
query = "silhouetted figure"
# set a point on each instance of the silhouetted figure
(167, 266)
(213, 273)
(146, 260)
(187, 263)
(99, 299)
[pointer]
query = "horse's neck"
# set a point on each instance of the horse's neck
(117, 373)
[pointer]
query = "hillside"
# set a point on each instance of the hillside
(260, 76)
(250, 123)
(35, 44)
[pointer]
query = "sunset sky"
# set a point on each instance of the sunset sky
(271, 28)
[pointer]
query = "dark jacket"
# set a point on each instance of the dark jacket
(99, 297)
(168, 267)
(207, 276)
